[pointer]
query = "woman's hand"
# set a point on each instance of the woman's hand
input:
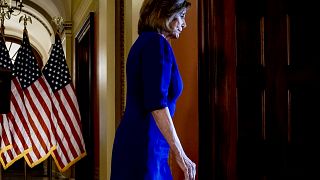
(165, 124)
(187, 166)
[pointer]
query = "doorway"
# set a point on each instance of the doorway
(85, 83)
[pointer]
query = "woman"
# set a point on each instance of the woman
(146, 132)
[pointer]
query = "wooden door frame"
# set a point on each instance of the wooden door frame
(217, 90)
(92, 147)
(120, 62)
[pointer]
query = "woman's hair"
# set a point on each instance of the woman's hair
(156, 15)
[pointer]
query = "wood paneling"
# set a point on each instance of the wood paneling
(217, 90)
(277, 72)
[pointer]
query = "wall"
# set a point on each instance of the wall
(106, 64)
(105, 55)
(186, 116)
(131, 18)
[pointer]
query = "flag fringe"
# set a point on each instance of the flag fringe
(15, 159)
(31, 165)
(69, 164)
(5, 149)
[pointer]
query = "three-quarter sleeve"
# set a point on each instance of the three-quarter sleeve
(156, 72)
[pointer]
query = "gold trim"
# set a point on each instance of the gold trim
(15, 159)
(41, 159)
(5, 149)
(69, 164)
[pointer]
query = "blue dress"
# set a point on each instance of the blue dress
(140, 152)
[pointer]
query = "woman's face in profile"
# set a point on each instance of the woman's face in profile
(178, 24)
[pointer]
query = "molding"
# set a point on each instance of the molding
(81, 13)
(66, 29)
(120, 62)
(37, 18)
(67, 26)
(39, 10)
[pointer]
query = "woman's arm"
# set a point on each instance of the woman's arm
(164, 122)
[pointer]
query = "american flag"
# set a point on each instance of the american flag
(5, 141)
(37, 102)
(13, 123)
(70, 143)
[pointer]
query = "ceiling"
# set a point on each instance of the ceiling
(41, 30)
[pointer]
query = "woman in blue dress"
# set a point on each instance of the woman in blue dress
(146, 132)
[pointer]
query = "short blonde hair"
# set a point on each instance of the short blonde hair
(155, 15)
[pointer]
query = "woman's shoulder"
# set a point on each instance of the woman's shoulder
(150, 34)
(151, 37)
(154, 39)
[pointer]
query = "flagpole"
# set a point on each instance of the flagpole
(25, 20)
(50, 168)
(25, 170)
(2, 26)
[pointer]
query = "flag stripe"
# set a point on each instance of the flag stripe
(16, 141)
(62, 147)
(20, 124)
(62, 150)
(38, 142)
(18, 134)
(19, 113)
(36, 126)
(61, 161)
(75, 120)
(42, 100)
(17, 105)
(66, 143)
(6, 156)
(37, 106)
(68, 92)
(67, 96)
(5, 139)
(5, 130)
(33, 156)
(63, 134)
(73, 133)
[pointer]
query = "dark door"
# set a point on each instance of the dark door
(278, 92)
(87, 168)
(277, 89)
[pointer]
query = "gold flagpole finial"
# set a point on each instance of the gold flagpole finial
(58, 21)
(25, 19)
